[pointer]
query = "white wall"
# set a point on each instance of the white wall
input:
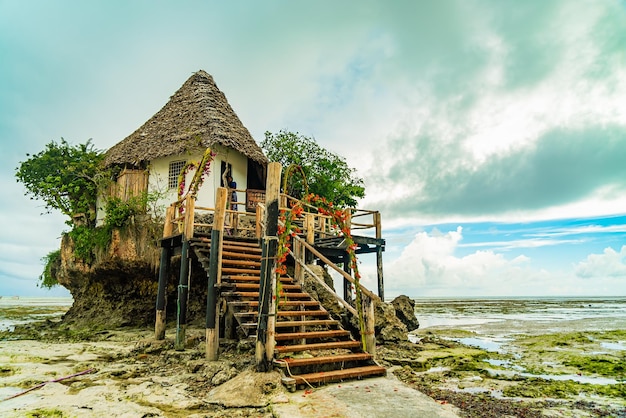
(159, 169)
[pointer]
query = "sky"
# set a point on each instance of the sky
(491, 134)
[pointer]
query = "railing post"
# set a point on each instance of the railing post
(190, 207)
(212, 324)
(164, 267)
(264, 353)
(347, 286)
(258, 221)
(379, 257)
(309, 223)
(369, 319)
(298, 251)
(168, 228)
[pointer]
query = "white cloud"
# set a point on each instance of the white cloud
(609, 264)
(428, 266)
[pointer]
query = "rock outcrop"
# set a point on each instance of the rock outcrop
(119, 287)
(405, 311)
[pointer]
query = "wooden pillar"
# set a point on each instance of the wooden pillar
(168, 228)
(347, 286)
(164, 268)
(190, 204)
(264, 353)
(297, 268)
(183, 295)
(369, 319)
(309, 221)
(212, 307)
(259, 220)
(379, 257)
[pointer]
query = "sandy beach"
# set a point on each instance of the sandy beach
(128, 374)
(540, 359)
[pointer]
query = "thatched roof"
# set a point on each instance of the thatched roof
(196, 117)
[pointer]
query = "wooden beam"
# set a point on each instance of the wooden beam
(212, 313)
(265, 343)
(379, 257)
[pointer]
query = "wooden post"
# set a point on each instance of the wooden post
(298, 251)
(309, 221)
(168, 228)
(190, 207)
(212, 307)
(379, 258)
(183, 295)
(258, 222)
(347, 286)
(370, 320)
(164, 267)
(264, 353)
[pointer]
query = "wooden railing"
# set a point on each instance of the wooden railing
(368, 298)
(182, 217)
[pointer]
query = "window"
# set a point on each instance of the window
(175, 168)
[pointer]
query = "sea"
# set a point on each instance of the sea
(493, 318)
(501, 317)
(16, 310)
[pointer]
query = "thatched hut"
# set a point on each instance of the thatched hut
(195, 118)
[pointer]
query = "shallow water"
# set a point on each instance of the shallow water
(22, 310)
(506, 317)
(494, 325)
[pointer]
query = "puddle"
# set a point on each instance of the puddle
(484, 343)
(620, 345)
(557, 377)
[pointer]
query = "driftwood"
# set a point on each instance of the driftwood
(39, 386)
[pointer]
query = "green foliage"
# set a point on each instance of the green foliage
(327, 174)
(119, 212)
(48, 277)
(86, 240)
(65, 177)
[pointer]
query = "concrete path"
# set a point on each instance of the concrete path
(368, 398)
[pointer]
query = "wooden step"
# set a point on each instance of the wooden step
(280, 303)
(316, 346)
(341, 358)
(285, 287)
(234, 270)
(253, 279)
(232, 254)
(286, 313)
(307, 335)
(335, 375)
(241, 294)
(229, 245)
(241, 263)
(320, 312)
(309, 322)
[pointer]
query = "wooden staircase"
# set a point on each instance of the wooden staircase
(311, 346)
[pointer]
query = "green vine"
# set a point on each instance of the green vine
(48, 277)
(202, 167)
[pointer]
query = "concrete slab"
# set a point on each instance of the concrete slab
(368, 398)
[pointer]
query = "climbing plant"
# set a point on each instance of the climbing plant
(202, 168)
(287, 229)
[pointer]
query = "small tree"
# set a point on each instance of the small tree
(327, 174)
(65, 177)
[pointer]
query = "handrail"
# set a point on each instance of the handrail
(348, 277)
(339, 298)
